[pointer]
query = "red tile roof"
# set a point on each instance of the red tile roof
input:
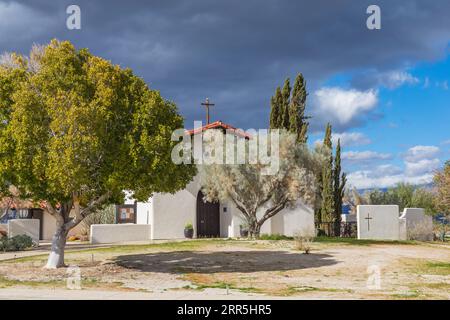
(219, 125)
(16, 203)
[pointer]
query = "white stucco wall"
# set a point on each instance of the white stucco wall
(116, 233)
(290, 221)
(384, 225)
(417, 225)
(49, 226)
(226, 220)
(29, 227)
(144, 212)
(402, 234)
(171, 213)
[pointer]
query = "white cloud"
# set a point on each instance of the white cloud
(348, 139)
(418, 153)
(395, 79)
(445, 142)
(365, 156)
(342, 107)
(365, 179)
(420, 162)
(421, 167)
(385, 170)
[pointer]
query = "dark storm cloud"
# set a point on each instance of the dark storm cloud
(236, 52)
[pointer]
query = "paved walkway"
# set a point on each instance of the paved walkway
(61, 294)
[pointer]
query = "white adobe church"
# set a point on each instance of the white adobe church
(167, 214)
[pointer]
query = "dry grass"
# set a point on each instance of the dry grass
(337, 269)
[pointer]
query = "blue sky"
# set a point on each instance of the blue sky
(384, 91)
(409, 138)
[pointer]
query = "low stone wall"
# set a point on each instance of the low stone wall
(30, 227)
(114, 233)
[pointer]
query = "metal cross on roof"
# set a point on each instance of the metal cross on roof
(207, 104)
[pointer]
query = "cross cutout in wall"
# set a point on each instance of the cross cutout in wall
(368, 218)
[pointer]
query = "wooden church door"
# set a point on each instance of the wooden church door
(208, 218)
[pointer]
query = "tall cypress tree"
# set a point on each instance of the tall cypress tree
(288, 108)
(298, 125)
(338, 186)
(286, 96)
(275, 109)
(327, 139)
(327, 206)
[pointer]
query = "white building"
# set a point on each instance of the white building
(167, 214)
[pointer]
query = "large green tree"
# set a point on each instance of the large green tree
(442, 198)
(404, 195)
(76, 131)
(442, 181)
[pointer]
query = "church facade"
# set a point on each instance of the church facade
(168, 214)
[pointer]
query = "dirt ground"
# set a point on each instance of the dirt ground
(335, 270)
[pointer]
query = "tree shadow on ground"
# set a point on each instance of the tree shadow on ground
(223, 261)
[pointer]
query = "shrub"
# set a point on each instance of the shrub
(420, 231)
(105, 215)
(189, 226)
(16, 243)
(303, 240)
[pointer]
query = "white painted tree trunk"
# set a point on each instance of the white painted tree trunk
(56, 257)
(64, 224)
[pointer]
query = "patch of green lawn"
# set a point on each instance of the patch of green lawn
(358, 242)
(290, 291)
(274, 237)
(6, 283)
(222, 285)
(433, 268)
(411, 294)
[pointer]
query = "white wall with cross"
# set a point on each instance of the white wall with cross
(378, 222)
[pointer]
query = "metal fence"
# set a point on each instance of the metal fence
(346, 229)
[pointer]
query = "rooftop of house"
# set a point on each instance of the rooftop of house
(7, 202)
(219, 125)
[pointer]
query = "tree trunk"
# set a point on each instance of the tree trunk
(56, 257)
(254, 231)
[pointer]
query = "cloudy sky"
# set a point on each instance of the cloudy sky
(386, 92)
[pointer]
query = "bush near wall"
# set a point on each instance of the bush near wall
(16, 243)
